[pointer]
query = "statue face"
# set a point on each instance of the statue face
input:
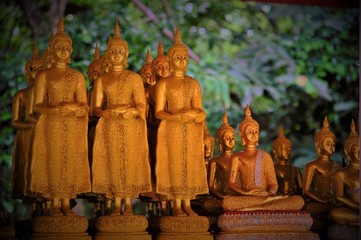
(251, 134)
(32, 71)
(62, 51)
(117, 54)
(228, 140)
(354, 153)
(285, 153)
(328, 146)
(180, 60)
(162, 69)
(208, 149)
(148, 76)
(106, 65)
(93, 75)
(47, 59)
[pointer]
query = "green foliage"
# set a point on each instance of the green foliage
(292, 64)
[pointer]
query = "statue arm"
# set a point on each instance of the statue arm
(299, 178)
(211, 178)
(197, 103)
(81, 97)
(98, 97)
(307, 180)
(30, 115)
(17, 108)
(40, 93)
(160, 103)
(338, 182)
(272, 185)
(139, 98)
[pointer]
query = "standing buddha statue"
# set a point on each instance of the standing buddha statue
(289, 178)
(60, 168)
(219, 167)
(180, 169)
(24, 124)
(120, 154)
(347, 182)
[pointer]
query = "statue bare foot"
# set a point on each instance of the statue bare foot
(178, 212)
(188, 210)
(115, 212)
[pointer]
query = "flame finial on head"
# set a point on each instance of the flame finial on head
(281, 139)
(247, 120)
(160, 49)
(225, 127)
(96, 53)
(148, 59)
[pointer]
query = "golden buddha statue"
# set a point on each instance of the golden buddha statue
(289, 178)
(318, 174)
(94, 71)
(257, 184)
(180, 169)
(47, 57)
(219, 167)
(120, 154)
(24, 125)
(347, 182)
(60, 168)
(208, 145)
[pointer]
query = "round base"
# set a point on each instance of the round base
(184, 224)
(122, 224)
(60, 224)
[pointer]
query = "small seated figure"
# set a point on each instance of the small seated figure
(219, 167)
(347, 182)
(120, 154)
(59, 168)
(318, 174)
(258, 183)
(208, 145)
(289, 178)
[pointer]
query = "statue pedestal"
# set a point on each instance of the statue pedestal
(71, 227)
(343, 232)
(184, 228)
(123, 227)
(279, 224)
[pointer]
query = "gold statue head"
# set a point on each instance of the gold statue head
(146, 71)
(282, 147)
(325, 139)
(208, 143)
(62, 44)
(94, 67)
(33, 65)
(249, 129)
(104, 64)
(47, 57)
(160, 64)
(178, 53)
(352, 144)
(225, 135)
(117, 48)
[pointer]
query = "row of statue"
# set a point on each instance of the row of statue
(132, 135)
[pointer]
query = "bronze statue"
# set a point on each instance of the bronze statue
(219, 167)
(289, 178)
(180, 168)
(120, 153)
(257, 184)
(318, 174)
(59, 167)
(347, 182)
(24, 124)
(47, 57)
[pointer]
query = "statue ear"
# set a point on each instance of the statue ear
(220, 147)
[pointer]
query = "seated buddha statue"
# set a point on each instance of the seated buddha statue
(318, 186)
(180, 169)
(59, 168)
(289, 178)
(257, 186)
(120, 165)
(22, 122)
(219, 167)
(347, 182)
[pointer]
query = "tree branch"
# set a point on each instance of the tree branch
(153, 18)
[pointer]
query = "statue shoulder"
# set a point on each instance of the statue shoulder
(132, 74)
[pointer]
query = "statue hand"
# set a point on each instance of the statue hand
(108, 113)
(81, 112)
(64, 111)
(201, 117)
(131, 113)
(184, 118)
